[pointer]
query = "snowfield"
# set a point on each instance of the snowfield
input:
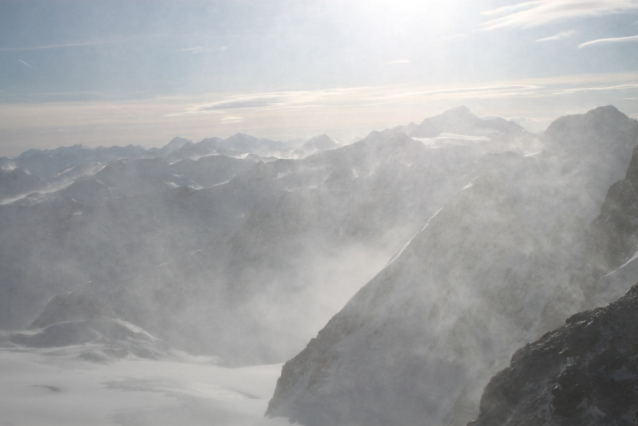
(52, 387)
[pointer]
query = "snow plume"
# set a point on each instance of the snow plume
(245, 259)
(542, 12)
(493, 270)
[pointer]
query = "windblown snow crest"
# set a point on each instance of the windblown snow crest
(200, 243)
(473, 235)
(492, 271)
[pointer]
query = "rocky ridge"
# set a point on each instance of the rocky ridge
(583, 373)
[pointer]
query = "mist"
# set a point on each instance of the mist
(328, 213)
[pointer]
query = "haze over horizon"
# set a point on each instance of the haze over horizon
(119, 72)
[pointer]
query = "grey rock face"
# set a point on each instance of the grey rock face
(404, 347)
(614, 234)
(584, 373)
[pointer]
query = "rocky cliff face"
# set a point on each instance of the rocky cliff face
(406, 344)
(488, 273)
(584, 373)
(613, 242)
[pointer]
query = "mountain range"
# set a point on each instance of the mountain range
(421, 257)
(492, 270)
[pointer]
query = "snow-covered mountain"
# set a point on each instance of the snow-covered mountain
(15, 182)
(489, 272)
(83, 319)
(461, 121)
(238, 145)
(186, 247)
(473, 235)
(47, 163)
(318, 143)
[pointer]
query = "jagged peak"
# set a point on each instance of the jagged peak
(604, 109)
(595, 119)
(457, 114)
(321, 136)
(177, 141)
(240, 135)
(462, 109)
(322, 140)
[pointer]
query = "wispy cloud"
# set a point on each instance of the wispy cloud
(287, 103)
(241, 103)
(231, 119)
(352, 97)
(453, 37)
(630, 86)
(196, 49)
(541, 12)
(511, 8)
(290, 114)
(400, 61)
(560, 36)
(201, 49)
(54, 46)
(609, 40)
(24, 63)
(470, 92)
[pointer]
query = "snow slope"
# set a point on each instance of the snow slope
(40, 387)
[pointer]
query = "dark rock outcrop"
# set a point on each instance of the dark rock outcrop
(614, 234)
(584, 373)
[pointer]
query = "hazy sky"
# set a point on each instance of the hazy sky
(116, 72)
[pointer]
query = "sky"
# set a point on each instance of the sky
(118, 72)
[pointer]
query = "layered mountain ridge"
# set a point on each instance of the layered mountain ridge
(492, 270)
(238, 249)
(210, 238)
(84, 320)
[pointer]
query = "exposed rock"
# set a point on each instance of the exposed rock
(584, 373)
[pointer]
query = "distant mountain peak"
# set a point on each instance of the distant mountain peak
(177, 141)
(460, 112)
(240, 135)
(605, 108)
(462, 109)
(606, 124)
